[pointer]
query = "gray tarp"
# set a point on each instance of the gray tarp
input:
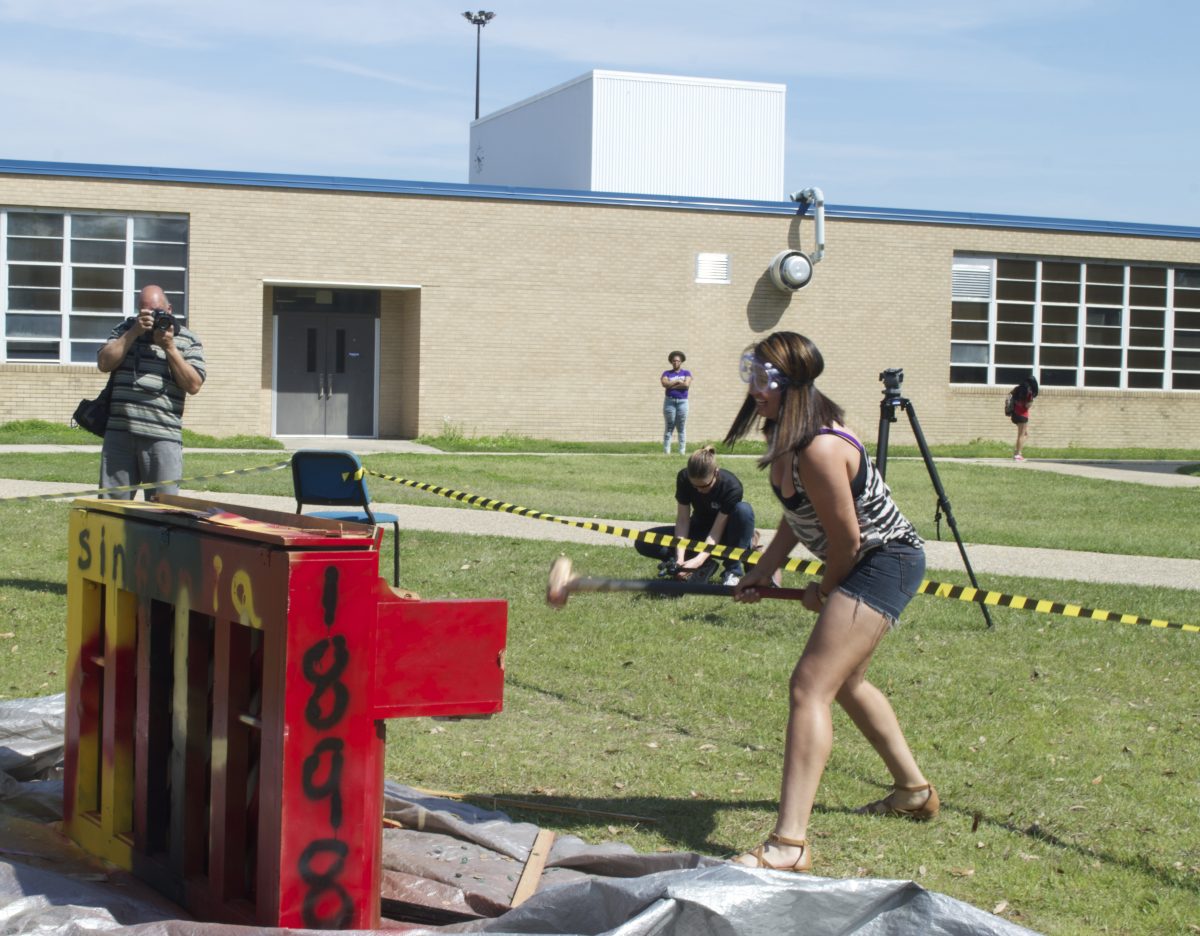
(449, 855)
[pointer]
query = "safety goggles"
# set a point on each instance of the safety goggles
(761, 375)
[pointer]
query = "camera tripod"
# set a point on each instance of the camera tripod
(892, 401)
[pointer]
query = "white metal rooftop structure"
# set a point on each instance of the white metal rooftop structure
(610, 131)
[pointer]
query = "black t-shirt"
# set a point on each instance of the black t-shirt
(723, 497)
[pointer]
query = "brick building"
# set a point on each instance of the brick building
(349, 307)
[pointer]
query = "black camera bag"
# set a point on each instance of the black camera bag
(92, 415)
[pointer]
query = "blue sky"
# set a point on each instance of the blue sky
(1053, 108)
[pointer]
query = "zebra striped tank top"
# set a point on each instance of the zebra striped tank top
(879, 519)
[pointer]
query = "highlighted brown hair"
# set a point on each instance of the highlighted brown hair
(803, 410)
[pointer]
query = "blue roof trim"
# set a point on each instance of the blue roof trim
(516, 193)
(1028, 222)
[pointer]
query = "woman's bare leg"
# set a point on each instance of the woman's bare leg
(874, 716)
(841, 644)
(1022, 435)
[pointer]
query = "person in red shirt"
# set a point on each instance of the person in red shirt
(1022, 400)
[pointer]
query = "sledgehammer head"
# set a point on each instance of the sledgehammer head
(560, 576)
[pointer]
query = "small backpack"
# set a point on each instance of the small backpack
(1027, 389)
(1010, 401)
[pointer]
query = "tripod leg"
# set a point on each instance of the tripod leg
(887, 416)
(943, 500)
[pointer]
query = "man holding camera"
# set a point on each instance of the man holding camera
(158, 364)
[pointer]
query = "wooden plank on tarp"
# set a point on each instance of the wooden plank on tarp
(534, 865)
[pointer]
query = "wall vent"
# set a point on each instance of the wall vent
(971, 281)
(712, 268)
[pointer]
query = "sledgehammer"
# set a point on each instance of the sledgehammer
(562, 584)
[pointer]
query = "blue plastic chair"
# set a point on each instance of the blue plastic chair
(336, 478)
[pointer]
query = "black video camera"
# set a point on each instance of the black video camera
(892, 378)
(668, 568)
(164, 320)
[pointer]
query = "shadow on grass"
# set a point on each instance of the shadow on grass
(696, 820)
(639, 717)
(1138, 864)
(696, 817)
(35, 585)
(688, 823)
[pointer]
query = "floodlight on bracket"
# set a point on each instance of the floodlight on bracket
(793, 269)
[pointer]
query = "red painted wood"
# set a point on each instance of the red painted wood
(331, 755)
(267, 652)
(439, 657)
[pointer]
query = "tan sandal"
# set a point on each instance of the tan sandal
(802, 865)
(885, 807)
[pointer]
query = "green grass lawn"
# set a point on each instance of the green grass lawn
(978, 448)
(30, 431)
(41, 432)
(1066, 751)
(1004, 506)
(1069, 741)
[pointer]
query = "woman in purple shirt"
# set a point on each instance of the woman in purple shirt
(675, 406)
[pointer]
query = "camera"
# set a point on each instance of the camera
(892, 378)
(164, 321)
(668, 568)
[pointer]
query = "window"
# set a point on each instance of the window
(1185, 361)
(1074, 323)
(970, 326)
(68, 278)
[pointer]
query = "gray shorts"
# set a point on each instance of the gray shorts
(127, 459)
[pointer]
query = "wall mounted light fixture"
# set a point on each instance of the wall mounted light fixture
(793, 269)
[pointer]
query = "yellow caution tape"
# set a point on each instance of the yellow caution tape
(656, 539)
(149, 485)
(1021, 603)
(802, 566)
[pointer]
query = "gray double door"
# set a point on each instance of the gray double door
(325, 376)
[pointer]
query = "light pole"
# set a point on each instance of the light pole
(480, 19)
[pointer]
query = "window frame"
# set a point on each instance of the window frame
(72, 313)
(1111, 326)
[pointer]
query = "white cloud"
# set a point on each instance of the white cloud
(350, 22)
(375, 74)
(200, 129)
(938, 103)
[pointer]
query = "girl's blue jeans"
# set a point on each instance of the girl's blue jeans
(675, 416)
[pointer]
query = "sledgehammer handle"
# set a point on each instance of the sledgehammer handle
(673, 587)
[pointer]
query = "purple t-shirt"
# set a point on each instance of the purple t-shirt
(676, 393)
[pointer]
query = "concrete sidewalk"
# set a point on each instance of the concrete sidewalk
(1154, 473)
(1060, 564)
(943, 556)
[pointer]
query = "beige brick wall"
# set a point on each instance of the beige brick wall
(554, 319)
(400, 364)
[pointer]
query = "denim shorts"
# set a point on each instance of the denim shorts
(885, 579)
